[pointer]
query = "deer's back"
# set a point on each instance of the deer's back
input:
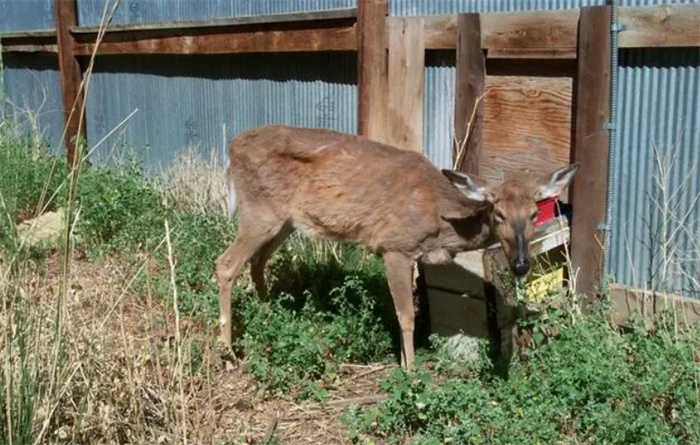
(341, 186)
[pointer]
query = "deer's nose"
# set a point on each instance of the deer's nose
(521, 267)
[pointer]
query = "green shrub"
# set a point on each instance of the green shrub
(118, 208)
(299, 349)
(592, 384)
(29, 176)
(30, 181)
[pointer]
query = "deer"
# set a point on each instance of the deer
(394, 202)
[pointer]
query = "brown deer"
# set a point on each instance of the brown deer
(394, 202)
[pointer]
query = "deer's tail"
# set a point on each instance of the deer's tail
(230, 193)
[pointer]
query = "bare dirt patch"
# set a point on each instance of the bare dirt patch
(139, 379)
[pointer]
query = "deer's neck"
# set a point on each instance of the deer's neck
(471, 233)
(458, 236)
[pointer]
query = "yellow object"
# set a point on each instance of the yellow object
(540, 284)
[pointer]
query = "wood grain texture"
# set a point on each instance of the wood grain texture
(509, 30)
(372, 69)
(591, 147)
(630, 302)
(71, 76)
(660, 26)
(406, 84)
(469, 87)
(337, 35)
(522, 34)
(527, 125)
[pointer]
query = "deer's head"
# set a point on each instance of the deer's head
(513, 208)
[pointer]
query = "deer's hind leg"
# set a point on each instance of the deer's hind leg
(261, 257)
(253, 235)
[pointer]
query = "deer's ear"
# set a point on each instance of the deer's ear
(552, 185)
(466, 185)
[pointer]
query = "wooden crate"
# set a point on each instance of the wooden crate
(461, 293)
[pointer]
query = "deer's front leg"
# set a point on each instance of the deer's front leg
(399, 272)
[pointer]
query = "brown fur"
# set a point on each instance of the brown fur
(346, 187)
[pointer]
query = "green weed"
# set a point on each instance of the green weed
(592, 384)
(301, 349)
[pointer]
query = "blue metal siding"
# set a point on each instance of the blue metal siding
(186, 100)
(147, 11)
(438, 112)
(659, 107)
(32, 96)
(24, 15)
(423, 7)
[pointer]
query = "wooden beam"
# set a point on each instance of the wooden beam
(71, 76)
(509, 35)
(540, 34)
(510, 31)
(336, 35)
(372, 69)
(29, 42)
(660, 26)
(649, 304)
(591, 146)
(469, 88)
(407, 78)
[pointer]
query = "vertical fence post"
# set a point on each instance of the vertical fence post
(372, 68)
(469, 87)
(73, 99)
(591, 147)
(405, 92)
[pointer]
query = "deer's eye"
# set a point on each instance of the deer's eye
(499, 216)
(534, 215)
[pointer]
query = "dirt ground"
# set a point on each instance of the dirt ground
(133, 373)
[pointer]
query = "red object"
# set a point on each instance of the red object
(547, 208)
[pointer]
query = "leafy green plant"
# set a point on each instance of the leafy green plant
(117, 208)
(29, 176)
(591, 384)
(299, 349)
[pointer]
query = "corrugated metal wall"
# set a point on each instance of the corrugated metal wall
(185, 101)
(90, 12)
(656, 215)
(32, 96)
(24, 15)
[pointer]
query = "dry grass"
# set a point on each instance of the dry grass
(195, 183)
(131, 377)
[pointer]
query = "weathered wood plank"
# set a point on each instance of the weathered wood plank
(508, 30)
(372, 69)
(14, 47)
(407, 78)
(591, 147)
(338, 36)
(527, 125)
(39, 33)
(71, 76)
(524, 33)
(648, 304)
(469, 89)
(660, 26)
(331, 14)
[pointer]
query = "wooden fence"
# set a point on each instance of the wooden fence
(573, 45)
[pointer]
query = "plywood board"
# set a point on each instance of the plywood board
(527, 125)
